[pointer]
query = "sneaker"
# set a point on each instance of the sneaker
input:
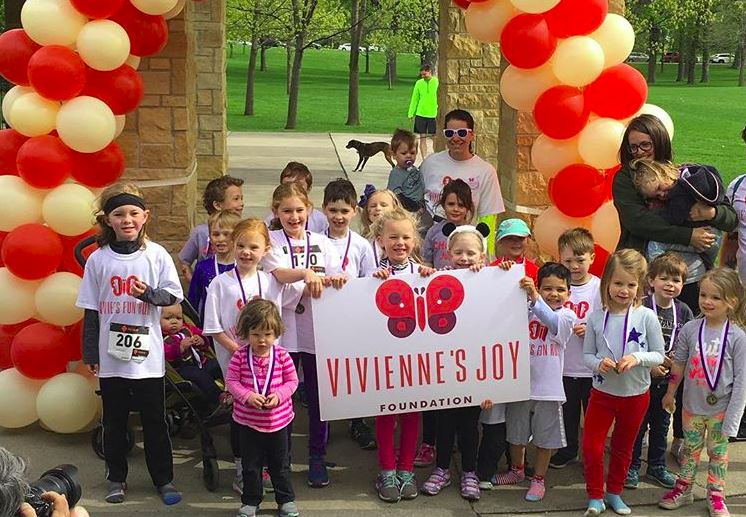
(267, 481)
(289, 509)
(318, 477)
(387, 486)
(238, 484)
(716, 504)
(662, 476)
(595, 507)
(614, 501)
(116, 492)
(490, 484)
(680, 495)
(536, 491)
(438, 480)
(470, 486)
(169, 494)
(633, 479)
(247, 511)
(362, 434)
(511, 477)
(407, 484)
(559, 462)
(425, 455)
(677, 446)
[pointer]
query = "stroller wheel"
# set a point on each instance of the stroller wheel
(210, 473)
(97, 440)
(175, 422)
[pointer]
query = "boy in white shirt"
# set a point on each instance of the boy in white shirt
(577, 254)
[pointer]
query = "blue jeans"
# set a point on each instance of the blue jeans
(657, 421)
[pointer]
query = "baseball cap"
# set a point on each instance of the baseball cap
(508, 227)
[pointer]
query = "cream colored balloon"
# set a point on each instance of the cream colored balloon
(550, 225)
(103, 45)
(86, 124)
(520, 87)
(616, 37)
(605, 226)
(665, 118)
(66, 403)
(68, 209)
(18, 399)
(550, 156)
(485, 20)
(154, 7)
(599, 142)
(33, 115)
(121, 120)
(19, 203)
(52, 22)
(578, 61)
(534, 6)
(10, 97)
(176, 11)
(133, 61)
(55, 299)
(16, 298)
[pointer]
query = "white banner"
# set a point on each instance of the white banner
(418, 344)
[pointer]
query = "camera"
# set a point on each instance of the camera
(62, 479)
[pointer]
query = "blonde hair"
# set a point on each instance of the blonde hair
(396, 215)
(106, 233)
(365, 217)
(248, 226)
(285, 191)
(226, 219)
(259, 314)
(644, 171)
(631, 262)
(729, 284)
(578, 240)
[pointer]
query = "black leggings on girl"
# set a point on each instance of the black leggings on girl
(461, 422)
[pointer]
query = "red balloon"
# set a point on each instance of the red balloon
(57, 73)
(576, 17)
(121, 89)
(96, 8)
(577, 190)
(7, 333)
(75, 341)
(44, 161)
(10, 142)
(69, 262)
(16, 49)
(599, 263)
(561, 112)
(99, 169)
(526, 41)
(32, 251)
(39, 351)
(609, 181)
(463, 4)
(619, 92)
(148, 34)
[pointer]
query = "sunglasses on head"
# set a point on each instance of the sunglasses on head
(461, 133)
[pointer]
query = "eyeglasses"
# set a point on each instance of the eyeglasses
(462, 132)
(642, 146)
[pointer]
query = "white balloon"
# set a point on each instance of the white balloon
(54, 407)
(521, 87)
(155, 7)
(121, 120)
(14, 93)
(33, 115)
(18, 399)
(52, 22)
(534, 6)
(173, 13)
(68, 209)
(55, 299)
(19, 203)
(665, 118)
(133, 61)
(616, 37)
(86, 124)
(485, 21)
(16, 298)
(599, 142)
(103, 45)
(578, 61)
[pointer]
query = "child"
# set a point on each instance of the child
(261, 377)
(374, 205)
(405, 180)
(301, 255)
(185, 351)
(223, 193)
(666, 277)
(459, 209)
(576, 254)
(710, 359)
(511, 241)
(622, 343)
(128, 269)
(296, 172)
(340, 206)
(231, 291)
(221, 226)
(467, 246)
(539, 419)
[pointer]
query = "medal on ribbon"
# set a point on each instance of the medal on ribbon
(713, 377)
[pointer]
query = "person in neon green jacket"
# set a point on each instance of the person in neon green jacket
(423, 107)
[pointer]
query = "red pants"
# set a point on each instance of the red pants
(409, 429)
(626, 413)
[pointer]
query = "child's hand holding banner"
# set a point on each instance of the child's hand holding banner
(417, 344)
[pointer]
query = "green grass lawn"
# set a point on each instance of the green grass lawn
(708, 118)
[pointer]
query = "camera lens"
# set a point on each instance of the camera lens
(62, 479)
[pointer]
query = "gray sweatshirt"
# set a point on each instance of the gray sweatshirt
(730, 390)
(644, 340)
(408, 183)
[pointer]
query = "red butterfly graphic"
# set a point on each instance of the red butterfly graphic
(406, 308)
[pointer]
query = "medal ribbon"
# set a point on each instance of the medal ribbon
(624, 335)
(292, 253)
(394, 270)
(721, 354)
(672, 341)
(240, 284)
(217, 269)
(270, 372)
(347, 249)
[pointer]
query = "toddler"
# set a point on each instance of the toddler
(405, 180)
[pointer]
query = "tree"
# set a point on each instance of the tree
(653, 22)
(357, 11)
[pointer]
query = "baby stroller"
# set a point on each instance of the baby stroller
(182, 399)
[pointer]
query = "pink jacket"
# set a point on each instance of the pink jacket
(172, 345)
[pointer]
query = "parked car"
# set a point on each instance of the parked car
(374, 48)
(671, 57)
(722, 58)
(638, 57)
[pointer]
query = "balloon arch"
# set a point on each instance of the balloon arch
(74, 64)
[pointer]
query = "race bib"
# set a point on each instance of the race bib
(129, 342)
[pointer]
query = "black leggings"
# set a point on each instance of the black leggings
(429, 427)
(462, 423)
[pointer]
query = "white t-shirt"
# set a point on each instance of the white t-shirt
(439, 168)
(357, 260)
(322, 258)
(104, 289)
(316, 222)
(225, 300)
(584, 299)
(547, 355)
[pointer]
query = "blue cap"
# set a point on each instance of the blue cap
(508, 227)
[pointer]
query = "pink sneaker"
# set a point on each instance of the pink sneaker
(425, 455)
(511, 477)
(536, 490)
(680, 495)
(716, 504)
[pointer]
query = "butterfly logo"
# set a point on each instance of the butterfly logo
(408, 308)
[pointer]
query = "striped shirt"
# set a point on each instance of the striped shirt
(240, 382)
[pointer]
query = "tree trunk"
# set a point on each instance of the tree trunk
(681, 69)
(367, 60)
(353, 95)
(705, 77)
(288, 67)
(742, 52)
(652, 47)
(13, 14)
(263, 59)
(295, 81)
(390, 73)
(691, 60)
(250, 76)
(230, 50)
